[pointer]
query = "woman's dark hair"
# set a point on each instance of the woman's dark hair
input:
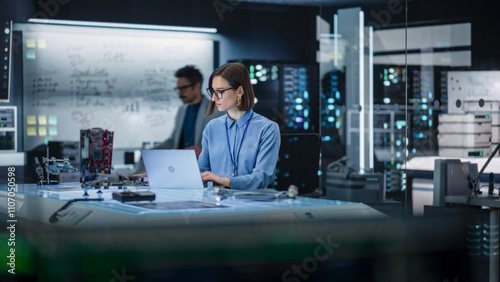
(236, 75)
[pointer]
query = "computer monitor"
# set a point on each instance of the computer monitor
(452, 177)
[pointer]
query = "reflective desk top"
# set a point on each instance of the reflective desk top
(171, 207)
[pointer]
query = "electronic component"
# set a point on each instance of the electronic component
(464, 135)
(299, 101)
(134, 196)
(265, 79)
(69, 150)
(54, 169)
(96, 150)
(285, 93)
(5, 53)
(345, 183)
(38, 170)
(8, 139)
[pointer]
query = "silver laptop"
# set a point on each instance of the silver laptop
(172, 168)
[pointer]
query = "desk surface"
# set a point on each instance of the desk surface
(246, 240)
(172, 207)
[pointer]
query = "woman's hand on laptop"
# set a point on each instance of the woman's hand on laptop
(209, 176)
(138, 175)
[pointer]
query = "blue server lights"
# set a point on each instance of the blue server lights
(5, 61)
(297, 100)
(285, 93)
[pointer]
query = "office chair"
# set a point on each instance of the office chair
(298, 163)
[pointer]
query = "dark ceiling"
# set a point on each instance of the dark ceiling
(319, 3)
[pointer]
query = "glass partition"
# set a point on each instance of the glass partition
(364, 118)
(455, 120)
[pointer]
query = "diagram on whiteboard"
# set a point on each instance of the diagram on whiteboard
(120, 80)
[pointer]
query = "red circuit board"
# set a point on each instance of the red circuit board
(96, 152)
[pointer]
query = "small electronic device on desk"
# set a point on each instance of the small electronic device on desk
(129, 196)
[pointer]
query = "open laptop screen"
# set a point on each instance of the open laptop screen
(172, 168)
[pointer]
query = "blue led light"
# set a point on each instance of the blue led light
(298, 100)
(331, 100)
(331, 107)
(306, 125)
(299, 107)
(387, 100)
(400, 123)
(306, 95)
(298, 119)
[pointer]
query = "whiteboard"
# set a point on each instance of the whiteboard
(117, 79)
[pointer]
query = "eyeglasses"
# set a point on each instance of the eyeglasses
(218, 93)
(180, 88)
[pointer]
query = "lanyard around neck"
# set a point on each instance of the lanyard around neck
(233, 160)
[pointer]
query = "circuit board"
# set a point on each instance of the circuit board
(96, 152)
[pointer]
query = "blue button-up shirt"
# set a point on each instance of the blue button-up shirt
(256, 160)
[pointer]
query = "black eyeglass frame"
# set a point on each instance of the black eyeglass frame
(219, 93)
(184, 87)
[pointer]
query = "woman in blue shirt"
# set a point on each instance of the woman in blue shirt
(240, 149)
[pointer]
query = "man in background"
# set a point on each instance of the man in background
(190, 120)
